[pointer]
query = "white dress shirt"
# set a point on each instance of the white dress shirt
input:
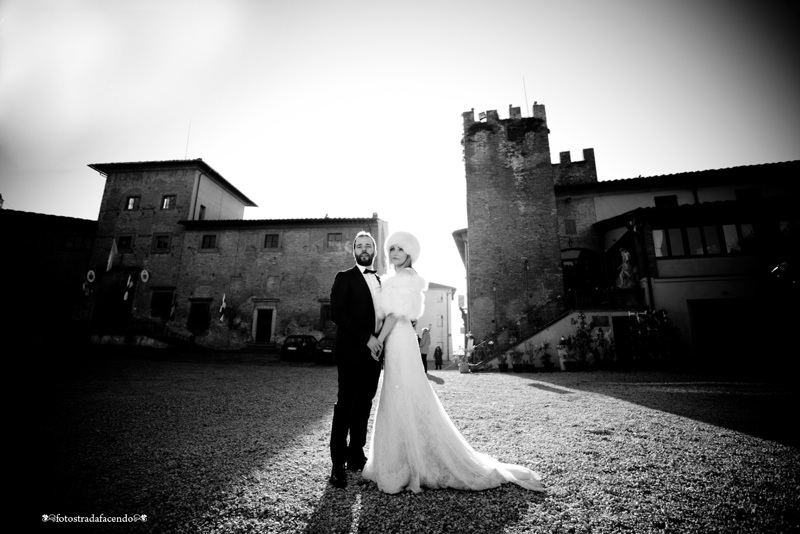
(375, 289)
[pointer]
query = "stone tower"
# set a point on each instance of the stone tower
(514, 258)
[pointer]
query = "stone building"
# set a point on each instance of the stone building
(438, 315)
(548, 241)
(43, 264)
(173, 259)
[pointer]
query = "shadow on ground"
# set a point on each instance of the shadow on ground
(364, 505)
(761, 407)
(124, 432)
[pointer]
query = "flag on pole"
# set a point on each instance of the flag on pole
(128, 287)
(111, 255)
(222, 309)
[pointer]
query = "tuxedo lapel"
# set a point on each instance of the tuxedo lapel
(363, 289)
(361, 283)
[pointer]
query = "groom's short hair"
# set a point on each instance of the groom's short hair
(363, 233)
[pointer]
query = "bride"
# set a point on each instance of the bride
(414, 444)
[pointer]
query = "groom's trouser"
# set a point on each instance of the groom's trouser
(358, 383)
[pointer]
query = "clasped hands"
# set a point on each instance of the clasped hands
(375, 346)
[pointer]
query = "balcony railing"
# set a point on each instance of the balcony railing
(540, 317)
(536, 319)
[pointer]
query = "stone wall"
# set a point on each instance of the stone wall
(296, 277)
(514, 254)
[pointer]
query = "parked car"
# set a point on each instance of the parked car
(298, 347)
(324, 350)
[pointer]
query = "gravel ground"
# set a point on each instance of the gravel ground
(239, 443)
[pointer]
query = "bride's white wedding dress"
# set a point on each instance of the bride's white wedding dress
(414, 444)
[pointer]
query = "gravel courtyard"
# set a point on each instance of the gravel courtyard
(221, 443)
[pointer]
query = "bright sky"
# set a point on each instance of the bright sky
(346, 108)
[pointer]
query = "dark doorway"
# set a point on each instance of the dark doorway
(263, 325)
(725, 331)
(114, 300)
(622, 338)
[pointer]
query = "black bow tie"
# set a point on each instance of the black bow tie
(369, 271)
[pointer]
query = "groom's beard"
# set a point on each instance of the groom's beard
(364, 259)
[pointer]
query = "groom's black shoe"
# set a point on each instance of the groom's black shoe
(338, 477)
(356, 465)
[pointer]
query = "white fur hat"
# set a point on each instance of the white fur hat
(405, 241)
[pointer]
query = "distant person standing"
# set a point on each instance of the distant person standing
(437, 357)
(424, 346)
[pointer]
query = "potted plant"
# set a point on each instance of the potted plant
(501, 362)
(542, 351)
(581, 343)
(463, 364)
(564, 359)
(603, 350)
(516, 360)
(530, 353)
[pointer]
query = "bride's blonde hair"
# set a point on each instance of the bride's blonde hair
(406, 264)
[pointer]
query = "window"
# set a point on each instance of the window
(209, 242)
(161, 304)
(440, 320)
(695, 241)
(711, 236)
(704, 240)
(738, 238)
(132, 203)
(271, 240)
(199, 315)
(77, 242)
(570, 227)
(334, 241)
(161, 242)
(168, 202)
(666, 201)
(125, 243)
(748, 195)
(660, 243)
(675, 237)
(747, 237)
(202, 215)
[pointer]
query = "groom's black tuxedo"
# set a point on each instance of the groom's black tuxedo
(353, 312)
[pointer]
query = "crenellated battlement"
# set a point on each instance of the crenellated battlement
(514, 113)
(588, 155)
(568, 172)
(515, 128)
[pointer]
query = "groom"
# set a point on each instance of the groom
(353, 303)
